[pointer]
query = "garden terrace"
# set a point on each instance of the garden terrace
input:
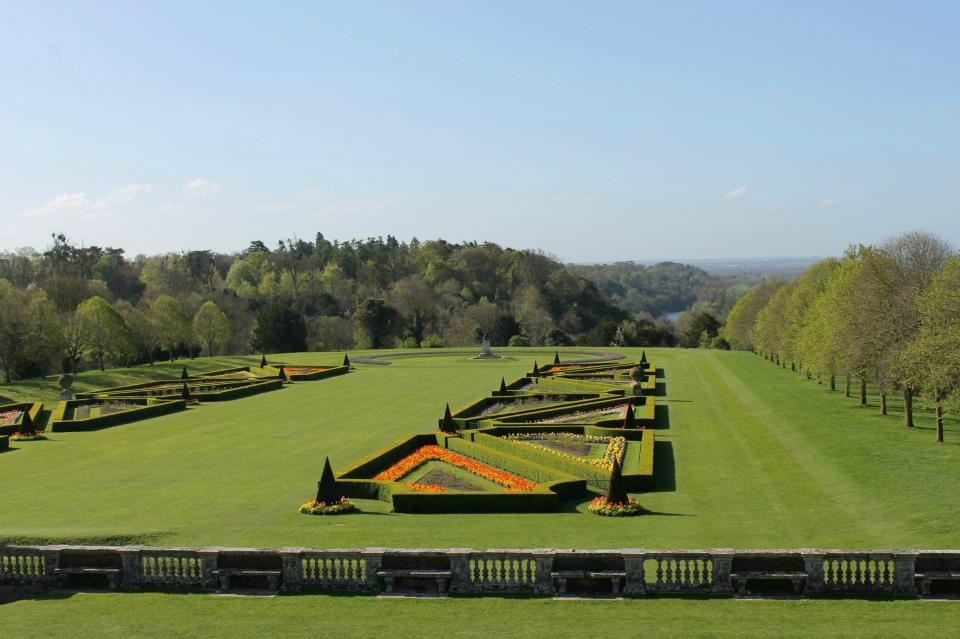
(200, 389)
(15, 418)
(97, 413)
(555, 394)
(467, 477)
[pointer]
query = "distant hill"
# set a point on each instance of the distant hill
(658, 289)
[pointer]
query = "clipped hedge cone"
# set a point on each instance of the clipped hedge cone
(447, 424)
(183, 373)
(346, 360)
(185, 393)
(629, 419)
(282, 374)
(536, 369)
(327, 491)
(556, 358)
(617, 493)
(503, 386)
(263, 361)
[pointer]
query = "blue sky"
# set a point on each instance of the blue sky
(594, 131)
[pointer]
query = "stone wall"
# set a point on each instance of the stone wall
(29, 570)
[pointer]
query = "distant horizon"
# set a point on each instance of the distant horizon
(311, 239)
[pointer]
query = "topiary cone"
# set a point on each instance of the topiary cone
(617, 493)
(185, 392)
(447, 425)
(346, 360)
(556, 358)
(282, 374)
(327, 491)
(643, 357)
(263, 361)
(536, 369)
(183, 373)
(503, 386)
(629, 419)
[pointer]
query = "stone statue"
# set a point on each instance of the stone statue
(485, 352)
(65, 382)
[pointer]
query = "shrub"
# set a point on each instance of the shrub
(339, 507)
(519, 340)
(600, 506)
(409, 342)
(432, 341)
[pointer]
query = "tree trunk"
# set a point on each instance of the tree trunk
(883, 403)
(847, 389)
(793, 366)
(100, 361)
(863, 391)
(908, 407)
(833, 382)
(939, 414)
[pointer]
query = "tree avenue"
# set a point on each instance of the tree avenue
(885, 316)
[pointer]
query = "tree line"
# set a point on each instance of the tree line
(72, 306)
(886, 315)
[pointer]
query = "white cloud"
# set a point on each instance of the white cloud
(201, 187)
(738, 193)
(90, 208)
(828, 203)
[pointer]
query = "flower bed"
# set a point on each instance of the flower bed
(11, 417)
(102, 409)
(616, 446)
(589, 415)
(27, 437)
(600, 506)
(424, 454)
(341, 507)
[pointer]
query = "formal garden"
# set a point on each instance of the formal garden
(715, 450)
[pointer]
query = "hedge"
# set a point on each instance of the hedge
(232, 390)
(552, 485)
(4, 442)
(31, 412)
(315, 375)
(477, 406)
(151, 408)
(597, 478)
(642, 480)
(571, 407)
(382, 459)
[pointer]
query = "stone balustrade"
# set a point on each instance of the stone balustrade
(29, 570)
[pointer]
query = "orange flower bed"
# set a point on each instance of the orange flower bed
(436, 453)
(428, 488)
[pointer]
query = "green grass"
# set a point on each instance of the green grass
(154, 615)
(755, 456)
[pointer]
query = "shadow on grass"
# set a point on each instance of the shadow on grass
(664, 468)
(661, 417)
(145, 539)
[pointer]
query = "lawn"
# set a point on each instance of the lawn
(144, 616)
(755, 456)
